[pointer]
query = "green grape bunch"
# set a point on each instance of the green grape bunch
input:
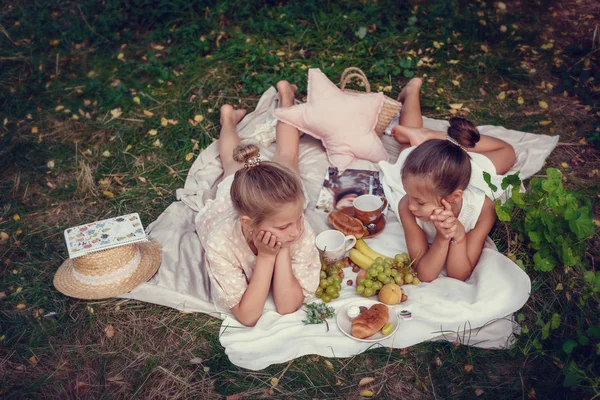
(330, 282)
(386, 270)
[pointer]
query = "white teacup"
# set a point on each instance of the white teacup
(333, 245)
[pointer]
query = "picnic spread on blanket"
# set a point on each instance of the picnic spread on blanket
(476, 312)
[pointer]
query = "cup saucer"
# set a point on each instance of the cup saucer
(379, 224)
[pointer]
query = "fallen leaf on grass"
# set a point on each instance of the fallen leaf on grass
(196, 361)
(116, 378)
(127, 148)
(116, 112)
(21, 306)
(142, 179)
(158, 47)
(58, 108)
(189, 156)
(274, 381)
(106, 153)
(33, 360)
(328, 364)
(544, 123)
(468, 367)
(564, 165)
(108, 194)
(456, 106)
(455, 82)
(367, 393)
(365, 381)
(109, 331)
(152, 132)
(501, 6)
(484, 48)
(157, 143)
(501, 95)
(148, 113)
(121, 57)
(16, 217)
(543, 104)
(34, 130)
(4, 238)
(520, 100)
(198, 118)
(479, 392)
(164, 121)
(136, 100)
(547, 46)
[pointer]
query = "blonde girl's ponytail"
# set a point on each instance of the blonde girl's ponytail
(260, 188)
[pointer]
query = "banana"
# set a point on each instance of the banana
(360, 259)
(364, 248)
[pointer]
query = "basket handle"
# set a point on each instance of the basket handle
(349, 73)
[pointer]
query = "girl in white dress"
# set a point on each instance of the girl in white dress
(445, 220)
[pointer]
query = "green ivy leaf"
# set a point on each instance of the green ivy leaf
(535, 237)
(546, 331)
(488, 179)
(503, 215)
(521, 317)
(582, 339)
(555, 321)
(511, 180)
(594, 332)
(544, 264)
(572, 378)
(569, 346)
(583, 225)
(588, 277)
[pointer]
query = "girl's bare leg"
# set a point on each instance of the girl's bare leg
(229, 139)
(410, 97)
(500, 153)
(287, 137)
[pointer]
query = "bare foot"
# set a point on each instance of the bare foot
(286, 93)
(231, 115)
(414, 136)
(413, 85)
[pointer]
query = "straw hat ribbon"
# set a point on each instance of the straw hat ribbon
(108, 273)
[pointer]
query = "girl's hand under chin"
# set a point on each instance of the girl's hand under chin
(444, 221)
(266, 244)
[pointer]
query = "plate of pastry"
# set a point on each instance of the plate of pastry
(363, 320)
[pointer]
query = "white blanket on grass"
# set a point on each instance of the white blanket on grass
(477, 312)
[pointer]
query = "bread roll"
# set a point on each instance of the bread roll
(346, 224)
(370, 322)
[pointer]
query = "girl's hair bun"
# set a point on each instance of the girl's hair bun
(463, 131)
(245, 152)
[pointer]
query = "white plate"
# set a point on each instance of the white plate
(345, 325)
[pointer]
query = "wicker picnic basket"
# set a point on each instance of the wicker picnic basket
(390, 106)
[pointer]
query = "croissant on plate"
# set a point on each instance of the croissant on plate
(370, 321)
(346, 224)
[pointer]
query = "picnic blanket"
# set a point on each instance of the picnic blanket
(477, 312)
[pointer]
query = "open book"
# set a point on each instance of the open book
(341, 188)
(101, 235)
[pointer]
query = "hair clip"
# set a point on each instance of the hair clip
(252, 161)
(454, 142)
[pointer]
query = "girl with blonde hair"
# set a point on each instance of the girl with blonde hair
(254, 233)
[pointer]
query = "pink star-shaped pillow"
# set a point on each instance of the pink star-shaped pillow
(345, 122)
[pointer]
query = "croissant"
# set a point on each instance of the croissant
(371, 321)
(346, 224)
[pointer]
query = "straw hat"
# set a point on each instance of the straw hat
(108, 273)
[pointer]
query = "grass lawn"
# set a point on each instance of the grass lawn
(105, 105)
